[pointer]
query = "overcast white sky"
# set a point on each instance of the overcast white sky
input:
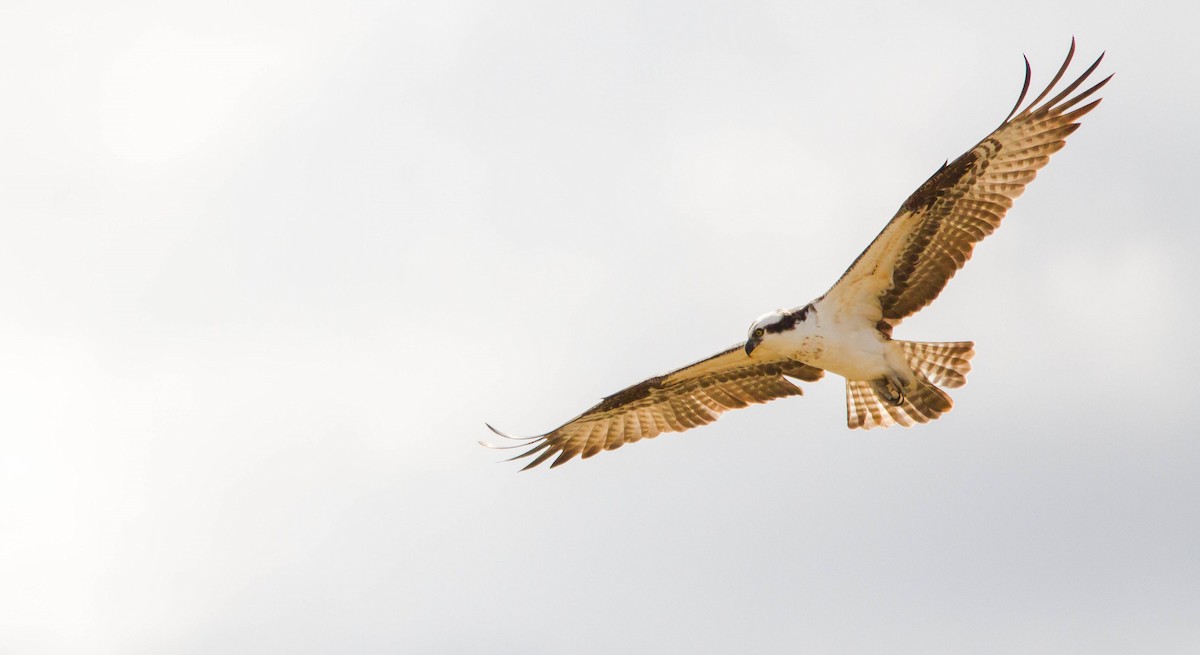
(268, 267)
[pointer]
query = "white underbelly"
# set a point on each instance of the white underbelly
(858, 355)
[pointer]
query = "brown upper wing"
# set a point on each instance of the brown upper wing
(691, 396)
(936, 229)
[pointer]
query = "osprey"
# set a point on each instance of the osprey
(848, 331)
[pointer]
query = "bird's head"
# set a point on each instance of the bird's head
(763, 328)
(769, 326)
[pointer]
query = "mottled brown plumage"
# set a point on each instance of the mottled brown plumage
(689, 397)
(848, 330)
(965, 200)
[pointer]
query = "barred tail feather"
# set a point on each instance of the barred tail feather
(945, 364)
(932, 364)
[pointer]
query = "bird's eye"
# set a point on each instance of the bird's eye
(759, 332)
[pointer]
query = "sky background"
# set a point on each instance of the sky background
(268, 267)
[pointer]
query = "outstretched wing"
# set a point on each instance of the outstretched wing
(936, 229)
(691, 396)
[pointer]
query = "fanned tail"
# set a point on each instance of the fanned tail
(945, 364)
(875, 403)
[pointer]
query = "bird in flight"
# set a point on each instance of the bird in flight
(848, 331)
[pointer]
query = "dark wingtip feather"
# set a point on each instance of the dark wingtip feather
(550, 452)
(501, 434)
(1057, 76)
(1053, 103)
(527, 453)
(564, 457)
(1024, 89)
(1084, 96)
(508, 447)
(526, 442)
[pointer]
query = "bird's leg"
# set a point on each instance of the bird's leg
(890, 389)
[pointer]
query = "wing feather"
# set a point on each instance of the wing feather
(904, 269)
(692, 396)
(727, 400)
(934, 234)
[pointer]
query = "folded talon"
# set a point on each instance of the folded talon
(890, 389)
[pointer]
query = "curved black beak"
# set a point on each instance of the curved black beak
(751, 344)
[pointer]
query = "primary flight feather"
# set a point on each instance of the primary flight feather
(848, 331)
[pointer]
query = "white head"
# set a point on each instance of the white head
(772, 324)
(762, 327)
